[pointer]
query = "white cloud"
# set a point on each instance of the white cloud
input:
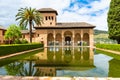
(100, 8)
(10, 8)
(56, 4)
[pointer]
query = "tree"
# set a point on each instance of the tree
(114, 20)
(12, 33)
(29, 16)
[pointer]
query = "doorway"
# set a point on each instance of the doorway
(67, 40)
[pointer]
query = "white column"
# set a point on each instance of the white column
(62, 39)
(73, 36)
(82, 36)
(54, 57)
(62, 54)
(54, 36)
(91, 41)
(73, 53)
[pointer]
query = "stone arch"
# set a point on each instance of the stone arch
(68, 37)
(58, 39)
(68, 33)
(50, 39)
(77, 39)
(86, 39)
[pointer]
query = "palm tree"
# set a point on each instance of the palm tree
(29, 16)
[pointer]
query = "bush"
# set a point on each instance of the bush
(115, 47)
(23, 41)
(10, 49)
(17, 41)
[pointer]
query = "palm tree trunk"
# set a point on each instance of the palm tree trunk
(30, 68)
(30, 24)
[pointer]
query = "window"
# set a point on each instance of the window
(50, 23)
(23, 36)
(3, 33)
(38, 35)
(46, 18)
(49, 18)
(52, 17)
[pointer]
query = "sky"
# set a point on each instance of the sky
(90, 11)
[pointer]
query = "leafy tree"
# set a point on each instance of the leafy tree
(12, 33)
(29, 16)
(114, 20)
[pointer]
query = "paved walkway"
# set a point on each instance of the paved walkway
(54, 78)
(111, 51)
(23, 52)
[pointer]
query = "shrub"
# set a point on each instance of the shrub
(23, 41)
(10, 49)
(17, 41)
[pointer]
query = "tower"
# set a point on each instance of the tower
(49, 16)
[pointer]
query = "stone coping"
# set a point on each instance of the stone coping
(18, 53)
(55, 78)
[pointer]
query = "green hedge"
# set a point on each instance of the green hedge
(115, 47)
(10, 49)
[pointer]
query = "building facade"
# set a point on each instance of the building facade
(2, 33)
(52, 33)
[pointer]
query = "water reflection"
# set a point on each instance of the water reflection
(67, 58)
(57, 61)
(78, 53)
(14, 68)
(47, 62)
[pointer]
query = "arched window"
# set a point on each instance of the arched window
(50, 39)
(86, 39)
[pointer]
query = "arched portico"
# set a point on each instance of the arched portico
(50, 39)
(77, 39)
(86, 39)
(58, 39)
(70, 38)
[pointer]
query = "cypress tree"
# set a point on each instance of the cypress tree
(113, 20)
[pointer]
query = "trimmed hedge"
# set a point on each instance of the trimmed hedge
(13, 48)
(115, 47)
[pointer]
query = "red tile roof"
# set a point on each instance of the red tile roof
(70, 25)
(42, 10)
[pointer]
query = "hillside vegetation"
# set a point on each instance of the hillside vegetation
(102, 37)
(96, 32)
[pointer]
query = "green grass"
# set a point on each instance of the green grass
(114, 47)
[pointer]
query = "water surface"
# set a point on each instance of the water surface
(57, 61)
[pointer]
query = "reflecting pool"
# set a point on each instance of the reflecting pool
(61, 61)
